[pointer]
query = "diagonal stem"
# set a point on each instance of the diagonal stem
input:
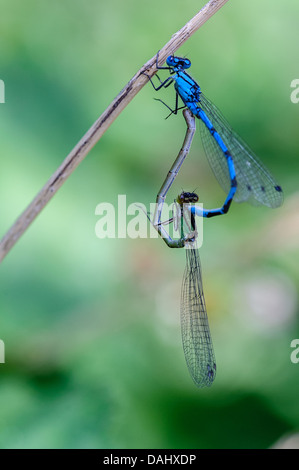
(96, 131)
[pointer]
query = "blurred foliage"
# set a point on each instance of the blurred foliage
(91, 327)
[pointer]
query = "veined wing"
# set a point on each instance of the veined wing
(197, 342)
(255, 184)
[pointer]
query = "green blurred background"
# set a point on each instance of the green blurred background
(91, 327)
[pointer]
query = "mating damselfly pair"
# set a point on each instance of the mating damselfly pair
(242, 176)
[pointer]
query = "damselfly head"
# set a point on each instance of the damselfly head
(180, 63)
(187, 198)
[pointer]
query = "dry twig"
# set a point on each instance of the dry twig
(96, 131)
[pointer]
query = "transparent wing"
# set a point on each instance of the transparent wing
(197, 342)
(255, 184)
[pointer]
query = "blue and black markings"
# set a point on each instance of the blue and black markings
(235, 166)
